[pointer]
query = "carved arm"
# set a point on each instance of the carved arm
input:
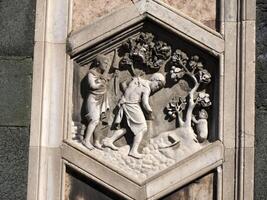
(124, 85)
(145, 101)
(92, 82)
(194, 120)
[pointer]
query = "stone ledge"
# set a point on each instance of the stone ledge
(157, 186)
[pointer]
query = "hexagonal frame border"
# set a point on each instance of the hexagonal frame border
(182, 26)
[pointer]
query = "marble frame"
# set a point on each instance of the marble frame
(52, 71)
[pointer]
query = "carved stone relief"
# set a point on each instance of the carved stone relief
(121, 123)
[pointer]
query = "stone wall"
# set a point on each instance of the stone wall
(16, 52)
(87, 11)
(261, 102)
(16, 42)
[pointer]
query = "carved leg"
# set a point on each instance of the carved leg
(108, 142)
(89, 132)
(98, 145)
(137, 140)
(97, 138)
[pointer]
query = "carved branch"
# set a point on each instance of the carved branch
(192, 103)
(180, 119)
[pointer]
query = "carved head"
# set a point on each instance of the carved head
(101, 61)
(157, 81)
(203, 114)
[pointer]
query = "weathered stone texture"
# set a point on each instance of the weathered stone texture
(261, 102)
(201, 10)
(86, 11)
(78, 186)
(200, 189)
(261, 156)
(13, 162)
(16, 49)
(15, 91)
(17, 27)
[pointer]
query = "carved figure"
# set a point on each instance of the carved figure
(194, 70)
(201, 125)
(136, 92)
(97, 101)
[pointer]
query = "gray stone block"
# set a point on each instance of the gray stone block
(261, 103)
(15, 91)
(17, 27)
(261, 156)
(261, 96)
(13, 162)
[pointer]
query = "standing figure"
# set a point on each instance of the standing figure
(136, 94)
(97, 101)
(202, 125)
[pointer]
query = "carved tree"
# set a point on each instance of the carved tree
(183, 66)
(145, 50)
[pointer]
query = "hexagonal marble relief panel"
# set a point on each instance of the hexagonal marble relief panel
(145, 106)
